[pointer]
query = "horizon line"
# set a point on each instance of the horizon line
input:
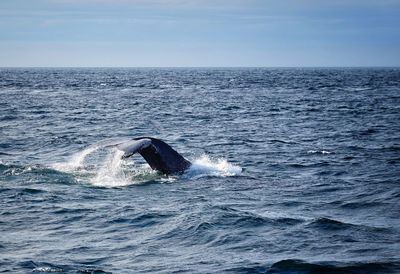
(172, 67)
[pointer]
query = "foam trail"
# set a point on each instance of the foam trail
(205, 166)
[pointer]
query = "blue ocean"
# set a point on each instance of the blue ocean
(295, 170)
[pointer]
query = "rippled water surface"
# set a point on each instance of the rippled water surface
(295, 171)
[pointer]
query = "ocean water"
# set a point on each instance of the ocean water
(295, 171)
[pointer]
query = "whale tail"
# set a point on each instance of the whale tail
(159, 155)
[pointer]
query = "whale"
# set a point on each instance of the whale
(159, 155)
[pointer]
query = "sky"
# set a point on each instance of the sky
(199, 33)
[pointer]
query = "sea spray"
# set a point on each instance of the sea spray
(111, 172)
(206, 166)
(76, 161)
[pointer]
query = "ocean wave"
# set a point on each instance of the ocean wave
(44, 267)
(143, 219)
(309, 165)
(361, 205)
(329, 224)
(333, 225)
(228, 216)
(17, 170)
(303, 267)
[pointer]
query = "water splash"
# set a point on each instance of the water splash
(206, 166)
(103, 166)
(112, 173)
(76, 162)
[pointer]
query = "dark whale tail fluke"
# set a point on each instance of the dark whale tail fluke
(159, 155)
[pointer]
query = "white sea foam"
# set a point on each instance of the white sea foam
(206, 166)
(319, 152)
(47, 269)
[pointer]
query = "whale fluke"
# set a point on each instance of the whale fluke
(159, 155)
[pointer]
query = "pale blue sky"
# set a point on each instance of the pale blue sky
(137, 33)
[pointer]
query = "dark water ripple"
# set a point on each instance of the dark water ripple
(319, 191)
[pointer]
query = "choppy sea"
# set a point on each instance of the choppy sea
(295, 170)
